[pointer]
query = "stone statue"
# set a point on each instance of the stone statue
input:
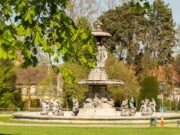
(132, 107)
(75, 109)
(52, 107)
(125, 108)
(88, 103)
(147, 107)
(128, 107)
(96, 101)
(56, 108)
(101, 56)
(153, 105)
(44, 107)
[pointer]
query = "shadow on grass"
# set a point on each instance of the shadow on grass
(8, 134)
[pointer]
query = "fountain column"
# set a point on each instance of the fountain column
(99, 101)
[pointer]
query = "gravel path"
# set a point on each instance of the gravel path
(88, 125)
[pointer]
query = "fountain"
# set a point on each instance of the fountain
(99, 104)
(99, 101)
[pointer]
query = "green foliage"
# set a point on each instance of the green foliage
(10, 96)
(177, 63)
(149, 89)
(119, 71)
(83, 23)
(75, 90)
(35, 103)
(28, 25)
(171, 105)
(115, 70)
(140, 36)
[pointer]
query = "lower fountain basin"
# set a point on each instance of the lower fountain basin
(36, 116)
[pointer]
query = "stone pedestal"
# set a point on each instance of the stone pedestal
(98, 112)
(98, 73)
(98, 97)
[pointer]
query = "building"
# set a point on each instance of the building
(38, 82)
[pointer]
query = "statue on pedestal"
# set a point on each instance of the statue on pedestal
(128, 107)
(44, 107)
(125, 108)
(148, 107)
(101, 56)
(52, 107)
(75, 109)
(132, 107)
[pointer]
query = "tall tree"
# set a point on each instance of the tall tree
(177, 63)
(142, 38)
(126, 26)
(162, 33)
(119, 71)
(177, 47)
(10, 96)
(149, 90)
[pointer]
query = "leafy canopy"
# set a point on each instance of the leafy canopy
(26, 25)
(10, 97)
(144, 39)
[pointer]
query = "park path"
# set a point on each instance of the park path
(84, 125)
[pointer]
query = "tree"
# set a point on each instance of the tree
(88, 9)
(177, 64)
(149, 90)
(10, 96)
(177, 47)
(144, 39)
(115, 70)
(125, 24)
(28, 25)
(75, 90)
(47, 85)
(119, 71)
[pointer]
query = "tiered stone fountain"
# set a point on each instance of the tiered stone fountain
(99, 105)
(99, 101)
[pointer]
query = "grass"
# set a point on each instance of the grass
(14, 130)
(9, 119)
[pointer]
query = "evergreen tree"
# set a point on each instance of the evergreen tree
(149, 90)
(177, 64)
(10, 96)
(161, 34)
(144, 40)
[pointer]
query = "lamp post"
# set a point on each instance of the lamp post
(162, 102)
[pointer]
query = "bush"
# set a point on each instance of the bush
(35, 103)
(149, 89)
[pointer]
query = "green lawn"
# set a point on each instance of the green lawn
(13, 130)
(9, 119)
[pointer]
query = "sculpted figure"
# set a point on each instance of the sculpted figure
(96, 101)
(56, 108)
(101, 56)
(125, 108)
(147, 107)
(44, 107)
(153, 105)
(132, 107)
(88, 103)
(75, 109)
